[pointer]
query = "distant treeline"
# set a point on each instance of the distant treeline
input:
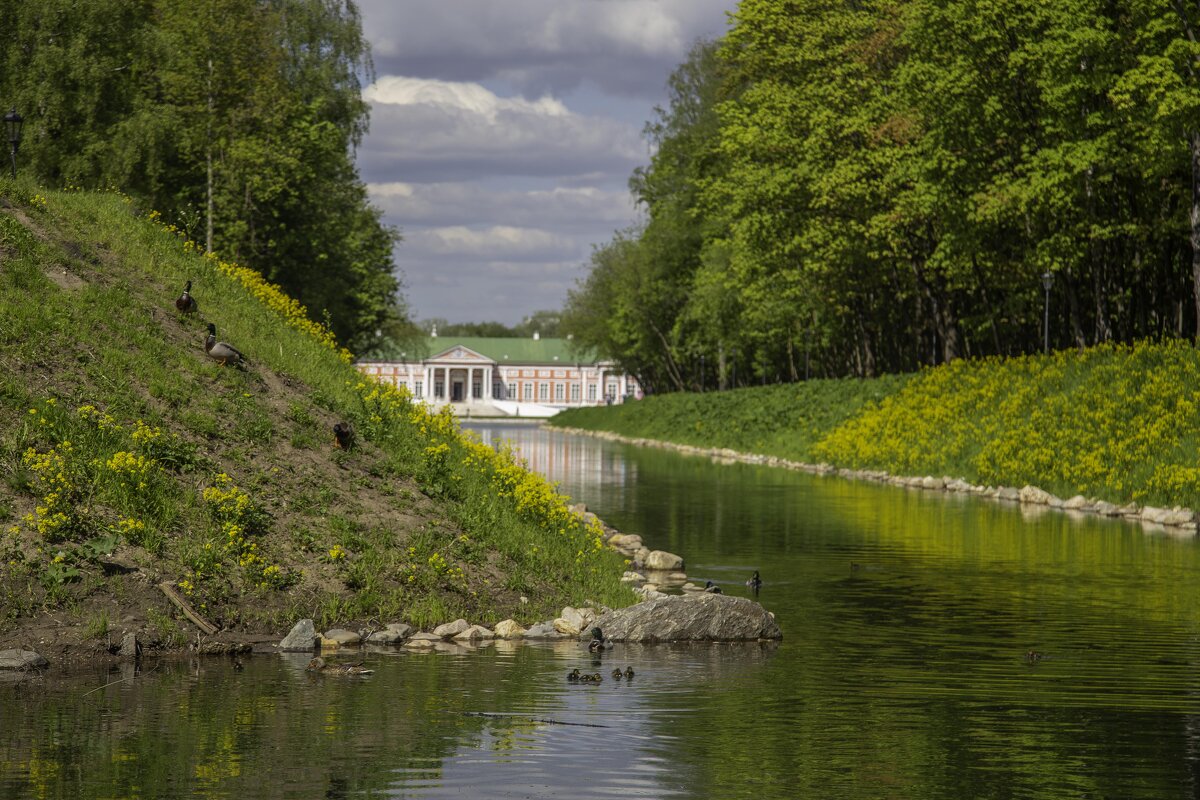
(235, 119)
(857, 188)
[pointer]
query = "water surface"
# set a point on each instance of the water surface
(907, 617)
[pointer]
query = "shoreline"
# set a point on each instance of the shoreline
(1176, 520)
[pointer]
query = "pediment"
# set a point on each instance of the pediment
(460, 354)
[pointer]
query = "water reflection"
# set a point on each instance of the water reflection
(904, 672)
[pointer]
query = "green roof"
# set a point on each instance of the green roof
(501, 350)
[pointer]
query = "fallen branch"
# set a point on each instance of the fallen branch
(175, 597)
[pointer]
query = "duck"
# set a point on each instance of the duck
(573, 675)
(185, 302)
(318, 665)
(629, 673)
(617, 674)
(712, 588)
(1033, 656)
(755, 582)
(598, 641)
(343, 436)
(220, 351)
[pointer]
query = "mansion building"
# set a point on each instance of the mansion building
(514, 376)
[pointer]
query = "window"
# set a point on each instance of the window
(559, 392)
(574, 392)
(512, 392)
(439, 389)
(477, 391)
(418, 389)
(612, 390)
(497, 390)
(543, 392)
(528, 393)
(591, 392)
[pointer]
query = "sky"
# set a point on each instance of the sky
(503, 135)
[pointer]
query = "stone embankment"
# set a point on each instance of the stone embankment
(1176, 518)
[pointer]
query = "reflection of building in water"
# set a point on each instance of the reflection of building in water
(572, 461)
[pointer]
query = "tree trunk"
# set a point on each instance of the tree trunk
(1195, 220)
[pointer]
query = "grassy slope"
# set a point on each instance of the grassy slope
(118, 435)
(1118, 423)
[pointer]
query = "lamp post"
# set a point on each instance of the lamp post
(1047, 282)
(12, 122)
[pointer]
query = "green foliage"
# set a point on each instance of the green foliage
(254, 108)
(851, 189)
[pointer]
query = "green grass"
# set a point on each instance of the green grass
(1118, 423)
(114, 424)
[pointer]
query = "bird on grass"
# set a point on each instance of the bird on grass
(598, 641)
(343, 436)
(318, 665)
(220, 351)
(185, 302)
(755, 582)
(712, 588)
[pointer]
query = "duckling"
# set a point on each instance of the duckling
(617, 674)
(573, 675)
(185, 302)
(318, 665)
(586, 678)
(597, 678)
(755, 582)
(220, 351)
(629, 673)
(712, 588)
(343, 436)
(1033, 656)
(598, 641)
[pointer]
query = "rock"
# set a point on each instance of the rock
(1108, 509)
(544, 630)
(423, 640)
(386, 637)
(509, 629)
(451, 629)
(930, 482)
(302, 638)
(1076, 503)
(22, 659)
(1178, 517)
(633, 577)
(693, 617)
(1130, 510)
(661, 559)
(578, 618)
(342, 637)
(1008, 493)
(130, 646)
(475, 633)
(402, 628)
(327, 644)
(640, 555)
(1034, 495)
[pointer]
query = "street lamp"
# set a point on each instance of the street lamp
(12, 122)
(1047, 282)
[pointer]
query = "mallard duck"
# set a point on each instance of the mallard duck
(318, 665)
(712, 588)
(598, 641)
(185, 302)
(573, 675)
(755, 582)
(616, 673)
(343, 436)
(629, 673)
(220, 351)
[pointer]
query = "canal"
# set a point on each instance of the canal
(905, 672)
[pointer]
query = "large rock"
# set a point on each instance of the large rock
(574, 620)
(1035, 496)
(423, 640)
(342, 637)
(474, 633)
(661, 559)
(451, 629)
(302, 638)
(544, 630)
(21, 659)
(693, 617)
(509, 629)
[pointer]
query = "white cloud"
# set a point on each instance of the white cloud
(587, 210)
(425, 129)
(490, 243)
